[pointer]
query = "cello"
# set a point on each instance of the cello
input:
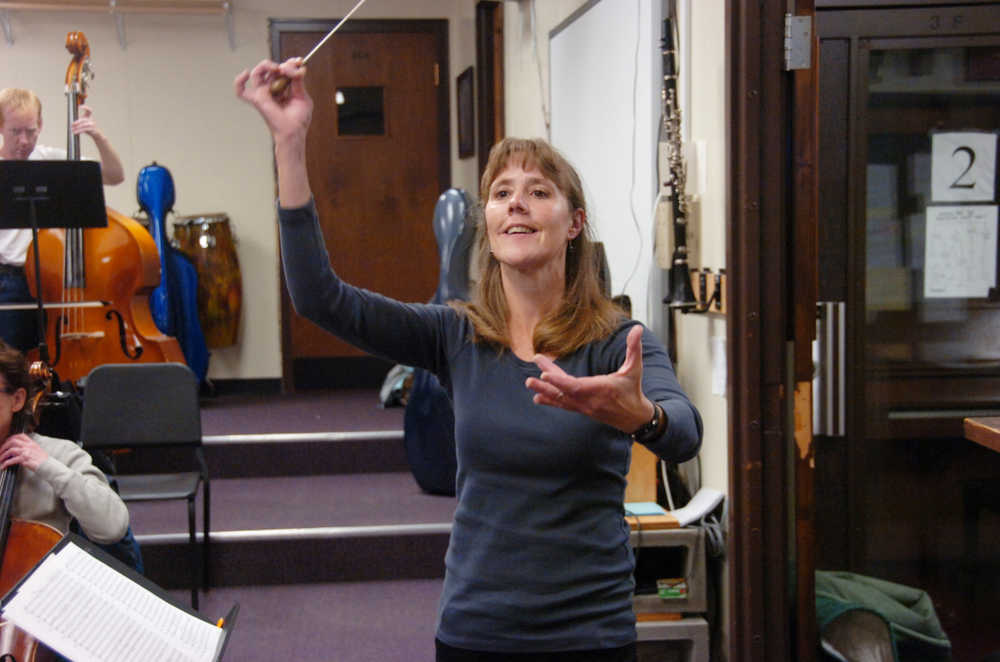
(99, 277)
(174, 302)
(23, 544)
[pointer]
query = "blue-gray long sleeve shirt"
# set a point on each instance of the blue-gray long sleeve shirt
(539, 557)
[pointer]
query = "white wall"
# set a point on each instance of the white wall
(604, 122)
(168, 97)
(700, 336)
(706, 118)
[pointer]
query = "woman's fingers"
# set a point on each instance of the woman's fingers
(615, 398)
(633, 352)
(240, 83)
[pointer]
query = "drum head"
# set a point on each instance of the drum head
(198, 219)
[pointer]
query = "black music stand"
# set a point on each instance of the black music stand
(50, 194)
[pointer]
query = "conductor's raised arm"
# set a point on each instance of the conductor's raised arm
(287, 117)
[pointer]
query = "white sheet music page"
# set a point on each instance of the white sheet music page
(89, 612)
(701, 504)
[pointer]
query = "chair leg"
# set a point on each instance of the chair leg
(195, 556)
(206, 564)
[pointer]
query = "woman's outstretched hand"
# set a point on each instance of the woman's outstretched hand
(616, 399)
(287, 115)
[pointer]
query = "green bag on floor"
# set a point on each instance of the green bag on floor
(909, 612)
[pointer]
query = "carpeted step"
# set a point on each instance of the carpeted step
(349, 527)
(389, 621)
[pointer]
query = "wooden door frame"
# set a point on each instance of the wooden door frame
(489, 77)
(761, 326)
(804, 290)
(367, 368)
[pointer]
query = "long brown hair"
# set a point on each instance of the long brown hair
(14, 369)
(585, 313)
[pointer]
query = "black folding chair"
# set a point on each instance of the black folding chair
(145, 406)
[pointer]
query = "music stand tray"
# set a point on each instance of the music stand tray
(56, 194)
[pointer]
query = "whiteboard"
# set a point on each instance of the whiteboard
(604, 68)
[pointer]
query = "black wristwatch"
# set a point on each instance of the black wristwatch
(653, 429)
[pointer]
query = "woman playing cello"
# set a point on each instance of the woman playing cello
(44, 484)
(57, 479)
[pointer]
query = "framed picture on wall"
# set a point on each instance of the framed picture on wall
(466, 115)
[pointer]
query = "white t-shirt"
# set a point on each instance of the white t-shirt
(14, 243)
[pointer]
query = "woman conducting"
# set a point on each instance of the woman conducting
(551, 385)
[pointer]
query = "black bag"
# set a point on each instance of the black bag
(61, 411)
(429, 434)
(429, 421)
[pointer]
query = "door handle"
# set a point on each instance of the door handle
(829, 373)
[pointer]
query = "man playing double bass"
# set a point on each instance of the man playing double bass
(20, 124)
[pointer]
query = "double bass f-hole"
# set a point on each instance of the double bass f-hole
(122, 334)
(122, 338)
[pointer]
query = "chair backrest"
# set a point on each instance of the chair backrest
(140, 404)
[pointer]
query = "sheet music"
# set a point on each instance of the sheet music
(89, 612)
(701, 504)
(960, 251)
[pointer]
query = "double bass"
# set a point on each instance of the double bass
(98, 278)
(23, 544)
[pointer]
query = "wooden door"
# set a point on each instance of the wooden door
(908, 93)
(378, 158)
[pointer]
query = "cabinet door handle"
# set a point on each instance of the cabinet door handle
(829, 383)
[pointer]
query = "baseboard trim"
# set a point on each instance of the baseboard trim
(279, 437)
(310, 533)
(259, 386)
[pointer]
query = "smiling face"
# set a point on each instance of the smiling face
(529, 221)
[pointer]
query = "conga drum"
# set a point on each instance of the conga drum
(208, 241)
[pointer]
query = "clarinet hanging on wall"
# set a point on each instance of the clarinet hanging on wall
(681, 295)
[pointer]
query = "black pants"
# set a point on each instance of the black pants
(18, 328)
(446, 653)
